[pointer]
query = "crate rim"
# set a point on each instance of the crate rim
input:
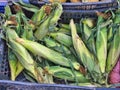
(40, 84)
(15, 83)
(83, 3)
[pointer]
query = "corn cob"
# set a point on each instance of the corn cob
(114, 52)
(86, 57)
(26, 60)
(65, 74)
(56, 46)
(88, 36)
(62, 38)
(22, 54)
(60, 48)
(42, 29)
(89, 39)
(49, 22)
(38, 16)
(101, 47)
(57, 13)
(53, 56)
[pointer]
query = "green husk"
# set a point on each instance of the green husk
(56, 46)
(88, 38)
(49, 54)
(64, 31)
(22, 54)
(8, 12)
(13, 65)
(25, 60)
(114, 51)
(89, 22)
(62, 38)
(86, 57)
(49, 22)
(65, 26)
(109, 37)
(28, 7)
(19, 68)
(65, 73)
(101, 47)
(39, 15)
(87, 31)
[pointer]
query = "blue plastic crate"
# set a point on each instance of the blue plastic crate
(4, 70)
(5, 84)
(11, 85)
(80, 6)
(78, 10)
(2, 5)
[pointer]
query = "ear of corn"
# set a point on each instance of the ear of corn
(114, 52)
(42, 29)
(57, 13)
(22, 54)
(47, 53)
(89, 38)
(56, 46)
(65, 74)
(87, 59)
(81, 50)
(49, 22)
(38, 16)
(62, 38)
(60, 48)
(101, 47)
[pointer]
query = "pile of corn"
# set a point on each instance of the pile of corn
(42, 48)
